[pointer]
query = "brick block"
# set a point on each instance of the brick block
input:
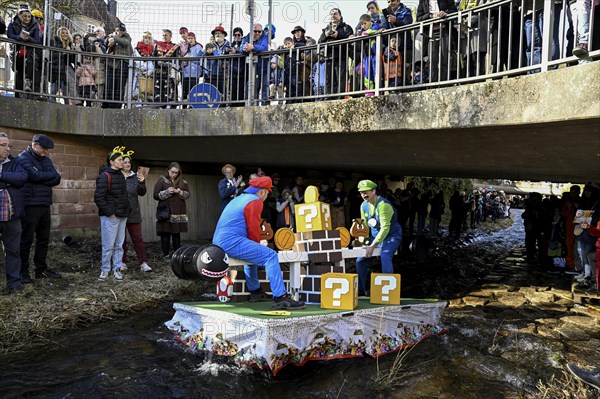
(333, 234)
(317, 270)
(314, 298)
(335, 256)
(318, 257)
(307, 284)
(314, 247)
(326, 245)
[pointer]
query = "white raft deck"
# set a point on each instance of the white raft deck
(244, 333)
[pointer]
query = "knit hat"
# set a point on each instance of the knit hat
(37, 13)
(192, 34)
(122, 27)
(23, 8)
(182, 30)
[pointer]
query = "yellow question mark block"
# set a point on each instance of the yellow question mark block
(385, 289)
(339, 291)
(313, 215)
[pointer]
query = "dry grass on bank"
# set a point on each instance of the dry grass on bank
(49, 306)
(566, 386)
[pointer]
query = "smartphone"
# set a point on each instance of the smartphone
(143, 170)
(386, 13)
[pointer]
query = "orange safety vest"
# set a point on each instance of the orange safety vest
(393, 68)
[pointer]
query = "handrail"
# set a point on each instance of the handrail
(487, 42)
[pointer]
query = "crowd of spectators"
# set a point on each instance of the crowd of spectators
(485, 40)
(561, 233)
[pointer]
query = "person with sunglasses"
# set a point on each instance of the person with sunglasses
(259, 45)
(238, 68)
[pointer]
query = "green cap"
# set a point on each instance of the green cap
(366, 185)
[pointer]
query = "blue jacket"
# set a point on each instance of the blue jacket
(260, 46)
(193, 69)
(41, 177)
(227, 192)
(12, 178)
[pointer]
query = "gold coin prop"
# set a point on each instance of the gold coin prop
(344, 236)
(311, 194)
(284, 239)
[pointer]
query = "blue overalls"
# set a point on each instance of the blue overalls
(389, 245)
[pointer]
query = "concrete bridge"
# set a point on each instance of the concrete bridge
(535, 127)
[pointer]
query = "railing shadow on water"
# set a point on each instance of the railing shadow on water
(487, 42)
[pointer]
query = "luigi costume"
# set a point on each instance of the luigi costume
(385, 231)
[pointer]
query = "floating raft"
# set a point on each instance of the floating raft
(242, 332)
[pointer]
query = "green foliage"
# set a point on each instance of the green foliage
(448, 185)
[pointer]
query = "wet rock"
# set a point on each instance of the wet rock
(540, 297)
(512, 299)
(582, 322)
(475, 301)
(573, 332)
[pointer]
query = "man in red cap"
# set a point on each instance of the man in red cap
(238, 234)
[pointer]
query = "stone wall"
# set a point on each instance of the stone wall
(73, 211)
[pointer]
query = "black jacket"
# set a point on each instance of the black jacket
(344, 31)
(41, 177)
(111, 200)
(135, 189)
(448, 6)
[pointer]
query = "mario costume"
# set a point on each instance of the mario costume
(385, 232)
(238, 233)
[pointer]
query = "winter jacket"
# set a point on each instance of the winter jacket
(193, 69)
(12, 178)
(86, 74)
(61, 61)
(14, 32)
(176, 205)
(344, 31)
(260, 46)
(111, 198)
(41, 177)
(423, 14)
(134, 189)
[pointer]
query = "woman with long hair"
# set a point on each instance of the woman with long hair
(171, 191)
(62, 70)
(136, 186)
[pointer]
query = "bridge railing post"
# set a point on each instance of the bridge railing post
(378, 42)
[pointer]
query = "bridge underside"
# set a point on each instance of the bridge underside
(535, 127)
(559, 151)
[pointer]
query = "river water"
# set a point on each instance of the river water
(138, 358)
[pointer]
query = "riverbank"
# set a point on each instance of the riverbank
(49, 306)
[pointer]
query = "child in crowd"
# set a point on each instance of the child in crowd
(86, 79)
(368, 54)
(318, 77)
(275, 79)
(285, 210)
(392, 64)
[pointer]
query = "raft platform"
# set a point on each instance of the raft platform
(245, 333)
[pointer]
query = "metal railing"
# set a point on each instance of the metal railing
(491, 41)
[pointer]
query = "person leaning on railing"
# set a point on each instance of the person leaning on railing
(62, 73)
(23, 28)
(439, 40)
(336, 76)
(260, 44)
(2, 26)
(117, 70)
